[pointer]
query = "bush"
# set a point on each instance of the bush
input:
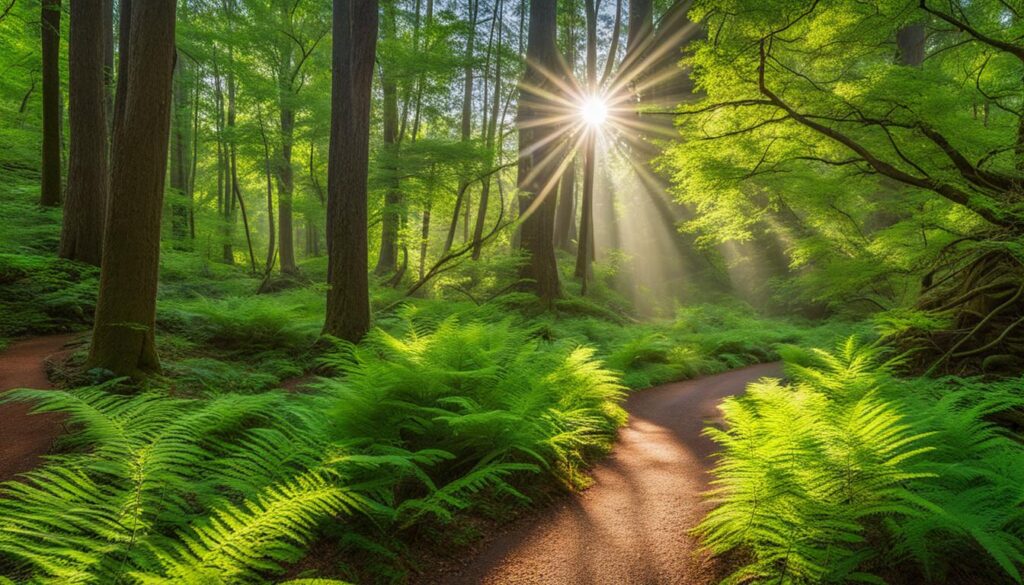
(41, 294)
(848, 472)
(481, 392)
(289, 321)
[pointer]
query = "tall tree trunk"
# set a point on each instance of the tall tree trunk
(285, 173)
(271, 225)
(81, 235)
(910, 41)
(489, 139)
(565, 215)
(536, 202)
(50, 27)
(123, 338)
(179, 146)
(348, 293)
(387, 260)
(585, 249)
(234, 194)
(467, 120)
(107, 12)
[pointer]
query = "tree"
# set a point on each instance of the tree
(50, 31)
(88, 173)
(123, 339)
(387, 260)
(355, 42)
(797, 129)
(537, 153)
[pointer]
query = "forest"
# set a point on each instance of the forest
(581, 292)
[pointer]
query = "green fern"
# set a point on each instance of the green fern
(809, 472)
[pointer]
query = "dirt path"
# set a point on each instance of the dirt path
(631, 527)
(24, 437)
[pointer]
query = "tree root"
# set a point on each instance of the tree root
(977, 289)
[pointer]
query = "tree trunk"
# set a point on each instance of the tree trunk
(491, 132)
(910, 41)
(585, 249)
(50, 27)
(271, 225)
(536, 202)
(348, 293)
(81, 235)
(566, 213)
(123, 335)
(467, 121)
(108, 62)
(285, 174)
(387, 261)
(179, 147)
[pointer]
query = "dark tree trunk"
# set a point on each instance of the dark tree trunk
(123, 335)
(50, 27)
(910, 41)
(585, 249)
(387, 261)
(108, 60)
(348, 293)
(81, 235)
(271, 225)
(537, 203)
(566, 213)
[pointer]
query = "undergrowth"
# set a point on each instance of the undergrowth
(849, 474)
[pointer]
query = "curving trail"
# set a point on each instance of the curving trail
(24, 437)
(631, 527)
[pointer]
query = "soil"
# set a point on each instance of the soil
(633, 525)
(26, 437)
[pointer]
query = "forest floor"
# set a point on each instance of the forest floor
(24, 437)
(632, 526)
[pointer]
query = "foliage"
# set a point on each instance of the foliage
(483, 392)
(847, 471)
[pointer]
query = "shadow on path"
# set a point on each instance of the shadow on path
(632, 526)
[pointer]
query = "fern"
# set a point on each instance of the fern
(808, 473)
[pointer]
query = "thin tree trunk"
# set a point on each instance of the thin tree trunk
(50, 27)
(88, 173)
(485, 190)
(467, 120)
(565, 215)
(348, 293)
(123, 340)
(585, 249)
(179, 172)
(271, 225)
(387, 260)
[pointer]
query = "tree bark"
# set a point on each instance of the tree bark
(81, 235)
(585, 249)
(50, 28)
(179, 147)
(387, 260)
(910, 42)
(467, 121)
(353, 52)
(489, 139)
(566, 213)
(536, 202)
(285, 173)
(123, 335)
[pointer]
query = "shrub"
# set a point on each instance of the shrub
(481, 392)
(41, 294)
(847, 471)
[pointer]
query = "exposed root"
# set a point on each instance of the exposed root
(977, 290)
